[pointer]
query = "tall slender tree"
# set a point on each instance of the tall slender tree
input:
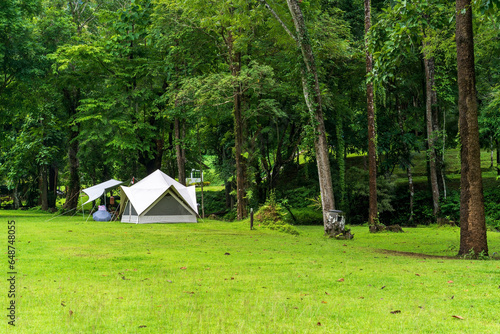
(372, 148)
(472, 216)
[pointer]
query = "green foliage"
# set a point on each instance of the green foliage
(272, 216)
(214, 201)
(306, 216)
(358, 194)
(299, 197)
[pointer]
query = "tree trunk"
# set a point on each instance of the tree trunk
(179, 130)
(372, 148)
(17, 202)
(44, 187)
(472, 216)
(234, 59)
(71, 101)
(241, 206)
(201, 172)
(52, 195)
(312, 96)
(73, 189)
(429, 117)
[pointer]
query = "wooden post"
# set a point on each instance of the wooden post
(251, 219)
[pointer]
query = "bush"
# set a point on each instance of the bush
(272, 216)
(305, 216)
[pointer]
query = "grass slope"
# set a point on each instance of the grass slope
(121, 278)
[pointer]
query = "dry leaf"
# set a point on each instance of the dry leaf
(319, 323)
(457, 317)
(417, 274)
(70, 313)
(326, 293)
(323, 302)
(396, 311)
(340, 280)
(450, 282)
(183, 268)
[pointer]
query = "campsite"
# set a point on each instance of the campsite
(250, 166)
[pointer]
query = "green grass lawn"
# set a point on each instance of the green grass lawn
(216, 277)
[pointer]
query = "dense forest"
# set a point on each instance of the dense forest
(320, 102)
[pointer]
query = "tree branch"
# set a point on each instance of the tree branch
(279, 20)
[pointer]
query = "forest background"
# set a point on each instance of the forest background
(92, 90)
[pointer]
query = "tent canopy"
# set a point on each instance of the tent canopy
(159, 198)
(98, 190)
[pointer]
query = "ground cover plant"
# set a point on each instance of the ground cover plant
(218, 277)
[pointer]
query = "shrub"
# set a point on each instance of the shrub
(230, 216)
(272, 216)
(305, 216)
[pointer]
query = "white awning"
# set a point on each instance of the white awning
(98, 190)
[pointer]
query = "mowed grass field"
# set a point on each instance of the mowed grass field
(75, 276)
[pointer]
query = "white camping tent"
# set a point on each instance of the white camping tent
(158, 198)
(98, 190)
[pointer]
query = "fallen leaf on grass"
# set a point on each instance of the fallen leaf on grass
(62, 303)
(323, 302)
(227, 254)
(70, 313)
(396, 311)
(449, 282)
(417, 274)
(326, 293)
(361, 297)
(340, 280)
(382, 287)
(189, 292)
(457, 317)
(319, 323)
(183, 268)
(142, 326)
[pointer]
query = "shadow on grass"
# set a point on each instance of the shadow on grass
(427, 256)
